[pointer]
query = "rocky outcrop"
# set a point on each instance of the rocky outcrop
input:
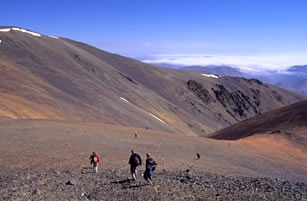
(200, 91)
(236, 103)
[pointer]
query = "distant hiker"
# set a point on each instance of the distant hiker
(135, 135)
(134, 161)
(198, 156)
(94, 161)
(150, 167)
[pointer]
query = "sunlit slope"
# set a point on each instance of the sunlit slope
(54, 78)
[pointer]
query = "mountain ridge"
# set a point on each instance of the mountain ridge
(283, 121)
(58, 78)
(294, 78)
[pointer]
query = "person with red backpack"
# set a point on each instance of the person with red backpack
(94, 161)
(134, 161)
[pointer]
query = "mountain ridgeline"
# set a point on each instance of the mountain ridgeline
(284, 121)
(294, 78)
(219, 70)
(45, 77)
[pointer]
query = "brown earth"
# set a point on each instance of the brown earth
(280, 134)
(41, 144)
(40, 156)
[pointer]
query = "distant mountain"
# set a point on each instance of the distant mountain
(298, 85)
(293, 79)
(298, 69)
(47, 77)
(218, 70)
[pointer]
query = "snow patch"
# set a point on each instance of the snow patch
(5, 30)
(26, 31)
(22, 30)
(210, 75)
(53, 37)
(144, 111)
(156, 117)
(124, 99)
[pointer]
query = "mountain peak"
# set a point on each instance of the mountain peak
(6, 29)
(21, 30)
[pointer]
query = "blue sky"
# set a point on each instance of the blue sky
(143, 28)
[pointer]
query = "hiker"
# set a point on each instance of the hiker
(134, 161)
(135, 135)
(198, 156)
(150, 167)
(94, 161)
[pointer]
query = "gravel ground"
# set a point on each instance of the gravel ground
(113, 184)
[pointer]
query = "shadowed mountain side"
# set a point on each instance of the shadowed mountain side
(289, 121)
(56, 78)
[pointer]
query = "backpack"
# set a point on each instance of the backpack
(136, 160)
(153, 164)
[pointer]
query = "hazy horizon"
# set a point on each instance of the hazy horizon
(250, 63)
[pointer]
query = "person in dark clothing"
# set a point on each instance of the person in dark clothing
(134, 161)
(150, 167)
(94, 161)
(198, 156)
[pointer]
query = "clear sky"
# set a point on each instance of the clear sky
(142, 28)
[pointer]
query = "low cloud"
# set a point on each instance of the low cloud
(273, 62)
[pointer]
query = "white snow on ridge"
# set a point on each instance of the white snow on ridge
(5, 30)
(156, 118)
(23, 30)
(53, 37)
(210, 75)
(124, 99)
(18, 29)
(26, 31)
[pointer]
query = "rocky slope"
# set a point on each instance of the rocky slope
(113, 184)
(44, 77)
